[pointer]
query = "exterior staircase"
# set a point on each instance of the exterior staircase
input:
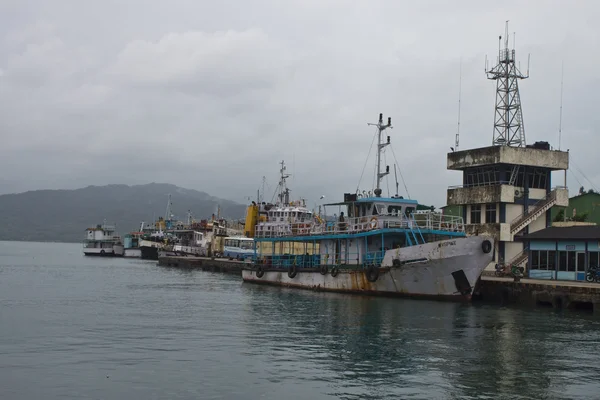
(539, 208)
(520, 258)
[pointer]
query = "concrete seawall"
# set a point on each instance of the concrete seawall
(534, 292)
(223, 265)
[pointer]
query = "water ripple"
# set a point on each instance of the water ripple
(106, 328)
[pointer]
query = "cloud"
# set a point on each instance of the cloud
(211, 96)
(212, 63)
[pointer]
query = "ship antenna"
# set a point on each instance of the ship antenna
(380, 128)
(396, 176)
(169, 212)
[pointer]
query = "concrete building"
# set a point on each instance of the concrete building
(506, 189)
(563, 253)
(507, 192)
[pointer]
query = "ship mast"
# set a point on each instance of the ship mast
(169, 212)
(284, 192)
(380, 128)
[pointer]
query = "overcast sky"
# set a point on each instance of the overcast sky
(211, 95)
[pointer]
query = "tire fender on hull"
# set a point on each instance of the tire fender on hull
(292, 272)
(372, 273)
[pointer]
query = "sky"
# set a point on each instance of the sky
(212, 95)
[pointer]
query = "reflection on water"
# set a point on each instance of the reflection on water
(112, 328)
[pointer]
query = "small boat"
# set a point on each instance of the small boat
(131, 242)
(377, 245)
(150, 244)
(102, 241)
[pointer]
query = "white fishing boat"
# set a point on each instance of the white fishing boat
(102, 241)
(377, 245)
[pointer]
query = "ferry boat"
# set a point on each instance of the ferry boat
(376, 246)
(102, 241)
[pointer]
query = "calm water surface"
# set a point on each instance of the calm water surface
(92, 328)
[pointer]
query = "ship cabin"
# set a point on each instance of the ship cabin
(360, 233)
(292, 219)
(101, 237)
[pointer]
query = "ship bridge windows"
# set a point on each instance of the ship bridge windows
(408, 211)
(394, 210)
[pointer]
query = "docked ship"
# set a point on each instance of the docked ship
(102, 241)
(376, 246)
(197, 238)
(131, 242)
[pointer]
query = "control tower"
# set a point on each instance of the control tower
(507, 189)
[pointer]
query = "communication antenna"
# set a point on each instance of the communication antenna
(456, 140)
(561, 103)
(509, 129)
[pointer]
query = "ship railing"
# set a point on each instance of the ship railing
(340, 259)
(438, 221)
(416, 221)
(348, 225)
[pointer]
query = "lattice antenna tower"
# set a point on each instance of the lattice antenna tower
(509, 129)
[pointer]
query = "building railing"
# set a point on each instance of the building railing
(470, 185)
(546, 200)
(417, 221)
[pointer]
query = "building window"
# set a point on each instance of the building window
(571, 263)
(476, 214)
(544, 260)
(594, 259)
(535, 259)
(482, 176)
(537, 178)
(490, 213)
(562, 260)
(552, 260)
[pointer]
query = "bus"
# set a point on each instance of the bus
(239, 248)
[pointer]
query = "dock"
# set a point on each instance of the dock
(223, 265)
(539, 292)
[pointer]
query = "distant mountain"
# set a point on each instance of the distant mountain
(63, 215)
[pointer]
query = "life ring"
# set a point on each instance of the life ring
(373, 223)
(486, 246)
(334, 271)
(323, 269)
(260, 272)
(372, 273)
(292, 272)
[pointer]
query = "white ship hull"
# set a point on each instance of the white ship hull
(430, 270)
(104, 252)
